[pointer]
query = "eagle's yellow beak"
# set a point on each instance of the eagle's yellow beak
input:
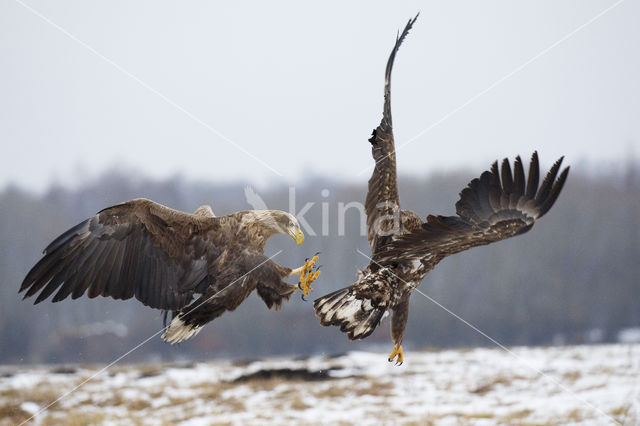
(297, 235)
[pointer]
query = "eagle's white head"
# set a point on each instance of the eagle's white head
(279, 222)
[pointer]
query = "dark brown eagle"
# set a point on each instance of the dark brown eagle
(195, 265)
(498, 205)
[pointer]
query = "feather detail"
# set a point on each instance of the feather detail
(357, 317)
(178, 331)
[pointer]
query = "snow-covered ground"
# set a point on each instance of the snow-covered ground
(557, 385)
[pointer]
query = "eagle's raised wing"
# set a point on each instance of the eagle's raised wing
(137, 248)
(382, 197)
(489, 210)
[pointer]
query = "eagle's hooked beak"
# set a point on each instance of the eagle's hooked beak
(297, 235)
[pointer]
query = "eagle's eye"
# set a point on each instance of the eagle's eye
(290, 224)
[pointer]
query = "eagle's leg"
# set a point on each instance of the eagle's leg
(398, 324)
(397, 351)
(307, 275)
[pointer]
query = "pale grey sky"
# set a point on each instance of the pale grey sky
(299, 86)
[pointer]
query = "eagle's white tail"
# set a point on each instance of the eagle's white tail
(357, 317)
(178, 331)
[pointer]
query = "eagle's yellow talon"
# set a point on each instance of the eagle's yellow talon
(307, 276)
(397, 351)
(309, 264)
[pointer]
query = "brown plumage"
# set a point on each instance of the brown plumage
(166, 259)
(497, 205)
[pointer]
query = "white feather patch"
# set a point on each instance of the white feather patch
(179, 331)
(367, 305)
(349, 309)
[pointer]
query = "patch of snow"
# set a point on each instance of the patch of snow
(591, 384)
(30, 407)
(629, 335)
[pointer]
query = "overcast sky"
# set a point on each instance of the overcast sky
(266, 91)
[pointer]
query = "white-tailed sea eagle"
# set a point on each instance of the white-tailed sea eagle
(166, 258)
(497, 205)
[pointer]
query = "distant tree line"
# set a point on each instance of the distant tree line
(574, 278)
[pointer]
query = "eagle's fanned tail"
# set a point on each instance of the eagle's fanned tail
(178, 331)
(355, 316)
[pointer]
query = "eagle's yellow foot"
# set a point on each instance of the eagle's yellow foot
(397, 351)
(307, 275)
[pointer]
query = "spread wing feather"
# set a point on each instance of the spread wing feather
(382, 196)
(138, 248)
(489, 210)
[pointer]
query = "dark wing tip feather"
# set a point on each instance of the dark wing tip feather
(31, 275)
(407, 28)
(68, 235)
(494, 169)
(507, 178)
(500, 195)
(545, 187)
(387, 74)
(399, 39)
(555, 191)
(534, 176)
(518, 177)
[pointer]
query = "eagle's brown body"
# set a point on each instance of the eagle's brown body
(167, 258)
(498, 205)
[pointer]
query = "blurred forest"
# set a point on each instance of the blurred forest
(574, 278)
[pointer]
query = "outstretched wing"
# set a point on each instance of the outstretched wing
(137, 248)
(382, 197)
(489, 210)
